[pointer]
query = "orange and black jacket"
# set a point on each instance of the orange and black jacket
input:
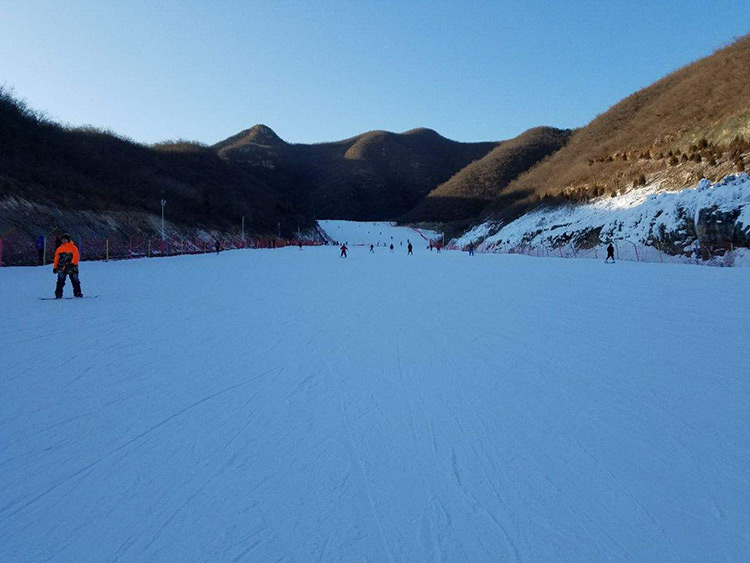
(66, 255)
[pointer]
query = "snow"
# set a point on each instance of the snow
(634, 216)
(378, 233)
(286, 405)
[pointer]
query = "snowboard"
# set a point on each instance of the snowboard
(55, 298)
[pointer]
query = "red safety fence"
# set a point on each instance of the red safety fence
(18, 249)
(722, 254)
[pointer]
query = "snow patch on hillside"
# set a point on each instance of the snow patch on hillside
(638, 216)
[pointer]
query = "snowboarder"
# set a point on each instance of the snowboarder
(437, 247)
(218, 246)
(409, 250)
(300, 245)
(471, 249)
(66, 265)
(391, 248)
(40, 248)
(343, 251)
(430, 247)
(372, 249)
(610, 253)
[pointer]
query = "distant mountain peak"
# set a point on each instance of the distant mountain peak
(423, 131)
(261, 134)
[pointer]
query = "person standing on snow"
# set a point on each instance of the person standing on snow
(471, 249)
(409, 250)
(218, 246)
(437, 247)
(372, 249)
(66, 265)
(610, 253)
(40, 248)
(391, 248)
(343, 251)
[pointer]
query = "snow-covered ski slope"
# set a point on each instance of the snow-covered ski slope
(286, 405)
(377, 233)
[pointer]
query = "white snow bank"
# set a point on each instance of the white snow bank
(635, 216)
(379, 233)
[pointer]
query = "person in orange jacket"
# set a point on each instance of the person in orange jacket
(66, 265)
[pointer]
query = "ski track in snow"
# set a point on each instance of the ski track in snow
(292, 406)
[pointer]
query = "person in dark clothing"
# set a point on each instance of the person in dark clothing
(300, 244)
(372, 249)
(58, 242)
(40, 248)
(409, 250)
(218, 246)
(343, 251)
(471, 249)
(391, 248)
(437, 247)
(66, 265)
(610, 253)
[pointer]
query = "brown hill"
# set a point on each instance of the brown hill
(376, 175)
(693, 123)
(469, 191)
(87, 170)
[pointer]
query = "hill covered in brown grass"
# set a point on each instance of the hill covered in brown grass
(51, 170)
(693, 123)
(469, 191)
(376, 175)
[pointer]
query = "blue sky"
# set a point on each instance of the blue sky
(321, 71)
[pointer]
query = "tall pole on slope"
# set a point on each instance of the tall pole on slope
(163, 232)
(243, 231)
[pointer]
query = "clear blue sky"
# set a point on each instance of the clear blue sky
(319, 71)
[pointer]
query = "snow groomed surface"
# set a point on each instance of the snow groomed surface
(286, 405)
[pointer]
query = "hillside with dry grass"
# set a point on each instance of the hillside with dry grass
(376, 175)
(54, 173)
(694, 123)
(469, 191)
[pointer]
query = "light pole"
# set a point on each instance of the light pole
(163, 232)
(279, 230)
(243, 231)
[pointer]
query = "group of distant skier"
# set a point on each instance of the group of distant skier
(409, 249)
(65, 264)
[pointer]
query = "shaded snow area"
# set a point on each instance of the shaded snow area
(377, 233)
(287, 405)
(638, 216)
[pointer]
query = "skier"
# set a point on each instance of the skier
(218, 246)
(343, 251)
(40, 248)
(430, 246)
(372, 249)
(610, 253)
(409, 250)
(471, 249)
(437, 247)
(300, 245)
(391, 248)
(66, 265)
